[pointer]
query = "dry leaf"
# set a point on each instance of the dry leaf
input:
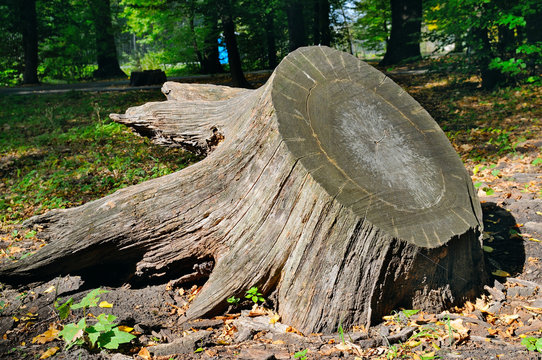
(50, 289)
(290, 329)
(508, 319)
(145, 354)
(105, 304)
(50, 352)
(47, 336)
(492, 332)
(461, 333)
(274, 319)
(500, 273)
(125, 328)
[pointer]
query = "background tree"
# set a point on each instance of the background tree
(495, 34)
(404, 40)
(106, 50)
(297, 35)
(372, 27)
(29, 26)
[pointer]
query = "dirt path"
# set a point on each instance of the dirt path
(124, 85)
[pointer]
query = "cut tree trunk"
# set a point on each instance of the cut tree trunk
(329, 188)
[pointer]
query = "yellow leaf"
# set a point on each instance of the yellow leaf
(47, 336)
(50, 289)
(50, 352)
(488, 249)
(105, 304)
(275, 318)
(125, 328)
(533, 239)
(539, 213)
(500, 273)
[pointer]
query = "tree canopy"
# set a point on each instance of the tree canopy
(66, 41)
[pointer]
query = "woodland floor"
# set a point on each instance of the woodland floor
(60, 151)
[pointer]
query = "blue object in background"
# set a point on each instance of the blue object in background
(222, 53)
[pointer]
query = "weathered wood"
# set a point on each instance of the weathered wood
(330, 189)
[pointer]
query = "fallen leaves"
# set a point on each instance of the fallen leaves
(50, 352)
(47, 336)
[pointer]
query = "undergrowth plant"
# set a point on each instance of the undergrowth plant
(99, 332)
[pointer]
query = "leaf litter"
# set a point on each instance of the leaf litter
(496, 134)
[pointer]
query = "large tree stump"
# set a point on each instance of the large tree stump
(329, 188)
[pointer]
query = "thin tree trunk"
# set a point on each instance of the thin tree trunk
(296, 24)
(329, 188)
(325, 30)
(211, 55)
(106, 51)
(270, 40)
(29, 24)
(404, 40)
(234, 58)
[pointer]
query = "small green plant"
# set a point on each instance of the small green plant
(103, 334)
(254, 295)
(233, 300)
(537, 161)
(532, 343)
(301, 355)
(340, 330)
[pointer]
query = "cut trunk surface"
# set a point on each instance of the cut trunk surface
(329, 188)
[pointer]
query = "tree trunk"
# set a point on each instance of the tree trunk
(296, 24)
(329, 188)
(106, 51)
(404, 41)
(234, 58)
(29, 24)
(270, 40)
(211, 55)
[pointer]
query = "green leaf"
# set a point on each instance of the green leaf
(409, 313)
(64, 309)
(538, 345)
(73, 334)
(113, 338)
(537, 161)
(529, 343)
(105, 322)
(90, 300)
(301, 354)
(93, 335)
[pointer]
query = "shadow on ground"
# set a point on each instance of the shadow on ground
(503, 245)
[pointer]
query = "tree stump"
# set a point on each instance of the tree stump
(329, 188)
(147, 77)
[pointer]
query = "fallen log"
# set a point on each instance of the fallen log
(329, 188)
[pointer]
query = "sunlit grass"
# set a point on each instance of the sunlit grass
(62, 150)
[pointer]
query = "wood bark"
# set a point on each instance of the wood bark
(297, 36)
(29, 23)
(106, 50)
(329, 188)
(404, 40)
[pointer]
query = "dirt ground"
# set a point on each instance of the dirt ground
(490, 327)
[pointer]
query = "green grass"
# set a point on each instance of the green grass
(61, 150)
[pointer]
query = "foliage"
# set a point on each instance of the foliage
(495, 34)
(233, 300)
(373, 24)
(301, 355)
(103, 334)
(532, 343)
(254, 295)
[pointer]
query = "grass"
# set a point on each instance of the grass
(61, 150)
